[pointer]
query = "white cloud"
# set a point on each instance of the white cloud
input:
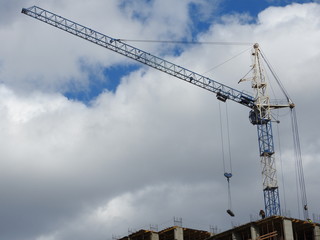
(50, 60)
(153, 201)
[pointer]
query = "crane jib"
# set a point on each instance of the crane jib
(222, 91)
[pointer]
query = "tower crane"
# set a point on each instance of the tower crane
(259, 104)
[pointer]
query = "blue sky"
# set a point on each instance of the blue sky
(253, 7)
(107, 80)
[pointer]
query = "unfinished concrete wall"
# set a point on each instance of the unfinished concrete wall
(178, 233)
(316, 232)
(287, 229)
(254, 232)
(154, 236)
(236, 236)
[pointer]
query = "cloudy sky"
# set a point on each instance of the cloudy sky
(93, 144)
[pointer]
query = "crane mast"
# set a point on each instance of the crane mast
(261, 117)
(259, 104)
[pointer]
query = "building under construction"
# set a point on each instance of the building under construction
(171, 233)
(274, 227)
(271, 228)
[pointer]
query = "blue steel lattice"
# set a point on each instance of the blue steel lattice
(272, 201)
(139, 55)
(265, 139)
(266, 148)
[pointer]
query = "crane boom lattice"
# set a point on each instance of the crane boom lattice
(222, 91)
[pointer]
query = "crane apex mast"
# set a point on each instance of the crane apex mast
(261, 117)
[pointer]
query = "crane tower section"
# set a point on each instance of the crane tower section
(260, 116)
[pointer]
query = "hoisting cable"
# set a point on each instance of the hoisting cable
(276, 120)
(226, 61)
(299, 166)
(221, 138)
(297, 188)
(185, 42)
(282, 174)
(297, 150)
(229, 145)
(244, 77)
(227, 174)
(276, 78)
(196, 42)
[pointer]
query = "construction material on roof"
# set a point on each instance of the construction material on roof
(275, 227)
